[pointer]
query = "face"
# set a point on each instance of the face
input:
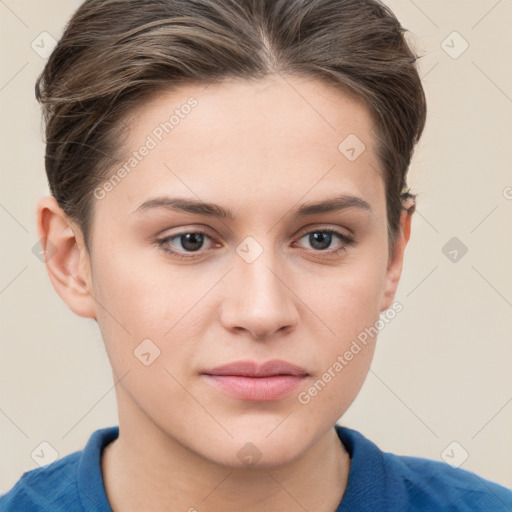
(179, 289)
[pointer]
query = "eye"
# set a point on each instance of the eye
(190, 241)
(188, 244)
(322, 239)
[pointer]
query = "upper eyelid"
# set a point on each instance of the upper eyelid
(304, 231)
(313, 226)
(338, 230)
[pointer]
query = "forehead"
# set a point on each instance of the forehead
(287, 107)
(281, 136)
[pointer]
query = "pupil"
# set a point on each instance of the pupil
(192, 241)
(322, 238)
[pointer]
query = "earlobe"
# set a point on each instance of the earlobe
(394, 269)
(66, 257)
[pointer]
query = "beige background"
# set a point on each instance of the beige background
(442, 370)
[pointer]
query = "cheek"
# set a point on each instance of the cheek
(350, 299)
(349, 305)
(344, 357)
(142, 301)
(149, 334)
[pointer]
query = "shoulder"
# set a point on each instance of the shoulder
(383, 480)
(53, 485)
(72, 483)
(437, 484)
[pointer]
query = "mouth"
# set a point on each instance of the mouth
(246, 380)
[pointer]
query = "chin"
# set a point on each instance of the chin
(257, 449)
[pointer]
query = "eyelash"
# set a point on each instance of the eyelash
(163, 243)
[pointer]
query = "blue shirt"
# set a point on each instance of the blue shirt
(378, 482)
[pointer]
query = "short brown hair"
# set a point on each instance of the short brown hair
(116, 54)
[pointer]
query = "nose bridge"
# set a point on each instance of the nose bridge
(262, 281)
(260, 300)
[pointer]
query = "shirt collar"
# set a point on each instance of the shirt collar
(371, 486)
(89, 478)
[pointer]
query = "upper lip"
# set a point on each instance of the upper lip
(253, 369)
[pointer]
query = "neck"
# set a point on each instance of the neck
(146, 469)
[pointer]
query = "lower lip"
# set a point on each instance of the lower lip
(262, 389)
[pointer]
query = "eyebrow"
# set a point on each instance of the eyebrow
(339, 203)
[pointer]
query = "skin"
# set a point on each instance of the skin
(261, 150)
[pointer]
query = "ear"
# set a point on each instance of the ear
(394, 269)
(66, 257)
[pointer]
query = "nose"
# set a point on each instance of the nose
(259, 298)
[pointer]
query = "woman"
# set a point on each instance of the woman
(229, 203)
